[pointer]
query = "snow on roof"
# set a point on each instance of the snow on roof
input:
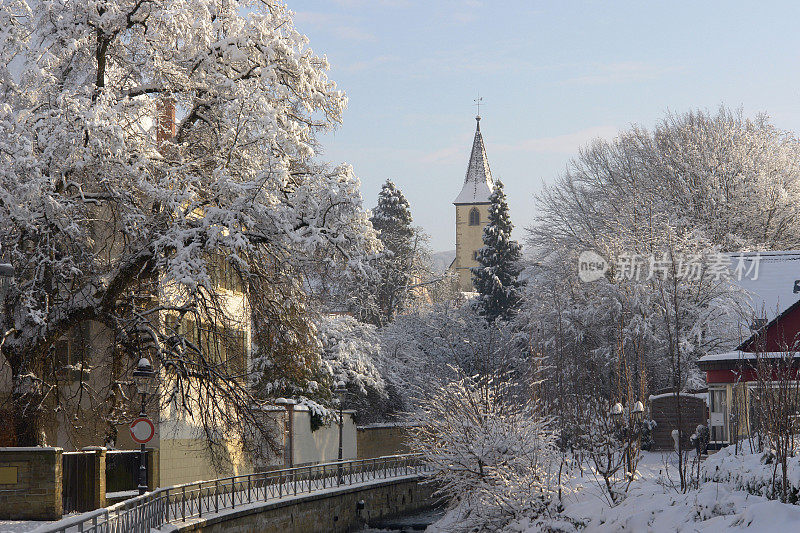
(700, 395)
(478, 183)
(382, 425)
(737, 355)
(773, 290)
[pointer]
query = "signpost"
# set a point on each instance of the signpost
(142, 430)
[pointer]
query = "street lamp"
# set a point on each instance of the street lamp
(143, 376)
(340, 392)
(616, 412)
(638, 411)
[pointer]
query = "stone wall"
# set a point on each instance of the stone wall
(381, 439)
(30, 484)
(322, 445)
(188, 460)
(332, 512)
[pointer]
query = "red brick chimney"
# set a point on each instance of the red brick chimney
(165, 122)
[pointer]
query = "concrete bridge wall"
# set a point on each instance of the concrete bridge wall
(334, 511)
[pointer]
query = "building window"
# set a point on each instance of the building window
(214, 345)
(474, 217)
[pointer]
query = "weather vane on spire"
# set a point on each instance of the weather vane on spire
(478, 101)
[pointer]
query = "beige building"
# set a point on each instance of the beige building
(472, 211)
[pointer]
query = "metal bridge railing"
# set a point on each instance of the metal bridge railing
(190, 500)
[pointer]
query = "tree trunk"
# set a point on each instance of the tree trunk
(26, 410)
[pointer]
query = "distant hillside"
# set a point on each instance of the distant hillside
(442, 260)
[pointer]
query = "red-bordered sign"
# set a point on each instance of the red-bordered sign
(142, 430)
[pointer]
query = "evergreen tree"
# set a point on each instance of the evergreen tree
(392, 219)
(496, 277)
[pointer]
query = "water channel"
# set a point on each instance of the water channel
(417, 521)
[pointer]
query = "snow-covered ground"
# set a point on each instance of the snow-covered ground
(654, 505)
(19, 526)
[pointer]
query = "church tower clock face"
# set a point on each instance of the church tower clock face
(472, 211)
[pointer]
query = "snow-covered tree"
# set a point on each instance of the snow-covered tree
(496, 277)
(392, 219)
(493, 456)
(652, 203)
(107, 220)
(350, 350)
(421, 349)
(352, 355)
(732, 179)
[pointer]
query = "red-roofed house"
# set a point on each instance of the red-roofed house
(731, 376)
(774, 298)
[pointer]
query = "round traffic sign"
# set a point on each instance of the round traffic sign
(142, 430)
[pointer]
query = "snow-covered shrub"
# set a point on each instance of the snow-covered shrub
(700, 438)
(493, 458)
(644, 428)
(612, 448)
(755, 473)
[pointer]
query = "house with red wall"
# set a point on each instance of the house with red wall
(732, 376)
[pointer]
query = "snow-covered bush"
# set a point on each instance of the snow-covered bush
(644, 428)
(700, 438)
(756, 473)
(492, 456)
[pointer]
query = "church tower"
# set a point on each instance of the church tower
(472, 211)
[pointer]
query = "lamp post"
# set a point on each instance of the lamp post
(143, 375)
(637, 413)
(7, 273)
(340, 392)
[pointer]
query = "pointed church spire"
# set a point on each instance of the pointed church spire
(478, 183)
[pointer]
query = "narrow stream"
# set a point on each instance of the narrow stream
(409, 523)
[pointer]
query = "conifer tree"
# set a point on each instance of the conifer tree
(496, 277)
(392, 219)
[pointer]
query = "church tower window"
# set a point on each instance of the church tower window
(474, 217)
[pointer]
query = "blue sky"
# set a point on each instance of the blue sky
(553, 75)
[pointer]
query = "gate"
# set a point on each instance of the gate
(122, 472)
(77, 485)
